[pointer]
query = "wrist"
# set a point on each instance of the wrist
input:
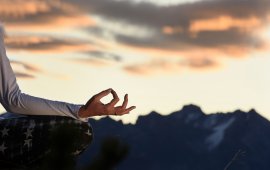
(82, 112)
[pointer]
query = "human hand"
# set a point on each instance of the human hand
(94, 107)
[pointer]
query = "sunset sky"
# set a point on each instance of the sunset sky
(163, 53)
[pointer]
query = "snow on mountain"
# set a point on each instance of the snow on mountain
(216, 137)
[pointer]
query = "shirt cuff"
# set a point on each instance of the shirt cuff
(77, 108)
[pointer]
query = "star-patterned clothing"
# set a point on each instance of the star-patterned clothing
(24, 140)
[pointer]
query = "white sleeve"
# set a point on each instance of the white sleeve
(13, 100)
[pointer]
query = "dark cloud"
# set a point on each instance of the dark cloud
(105, 55)
(95, 30)
(155, 18)
(147, 15)
(24, 75)
(152, 15)
(28, 71)
(181, 41)
(26, 66)
(200, 63)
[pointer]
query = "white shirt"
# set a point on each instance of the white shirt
(14, 101)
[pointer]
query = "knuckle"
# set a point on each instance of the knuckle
(95, 96)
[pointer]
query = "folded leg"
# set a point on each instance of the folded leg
(25, 140)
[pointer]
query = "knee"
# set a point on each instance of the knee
(73, 135)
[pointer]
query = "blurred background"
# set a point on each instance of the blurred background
(163, 53)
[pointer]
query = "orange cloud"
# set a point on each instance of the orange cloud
(193, 58)
(46, 44)
(153, 67)
(165, 66)
(19, 8)
(172, 30)
(58, 22)
(92, 62)
(188, 51)
(201, 63)
(222, 23)
(41, 15)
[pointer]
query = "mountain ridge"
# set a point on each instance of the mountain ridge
(177, 140)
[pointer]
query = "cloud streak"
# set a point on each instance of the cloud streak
(159, 66)
(105, 55)
(45, 44)
(24, 70)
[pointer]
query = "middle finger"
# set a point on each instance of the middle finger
(124, 105)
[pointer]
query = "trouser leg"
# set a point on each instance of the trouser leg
(25, 140)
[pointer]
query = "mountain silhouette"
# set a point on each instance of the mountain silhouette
(188, 139)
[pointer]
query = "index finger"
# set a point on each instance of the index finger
(115, 98)
(103, 94)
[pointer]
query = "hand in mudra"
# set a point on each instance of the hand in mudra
(94, 107)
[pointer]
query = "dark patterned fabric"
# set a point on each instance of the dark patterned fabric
(24, 140)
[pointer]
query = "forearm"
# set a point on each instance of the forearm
(13, 100)
(25, 104)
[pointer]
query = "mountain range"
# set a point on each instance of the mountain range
(187, 139)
